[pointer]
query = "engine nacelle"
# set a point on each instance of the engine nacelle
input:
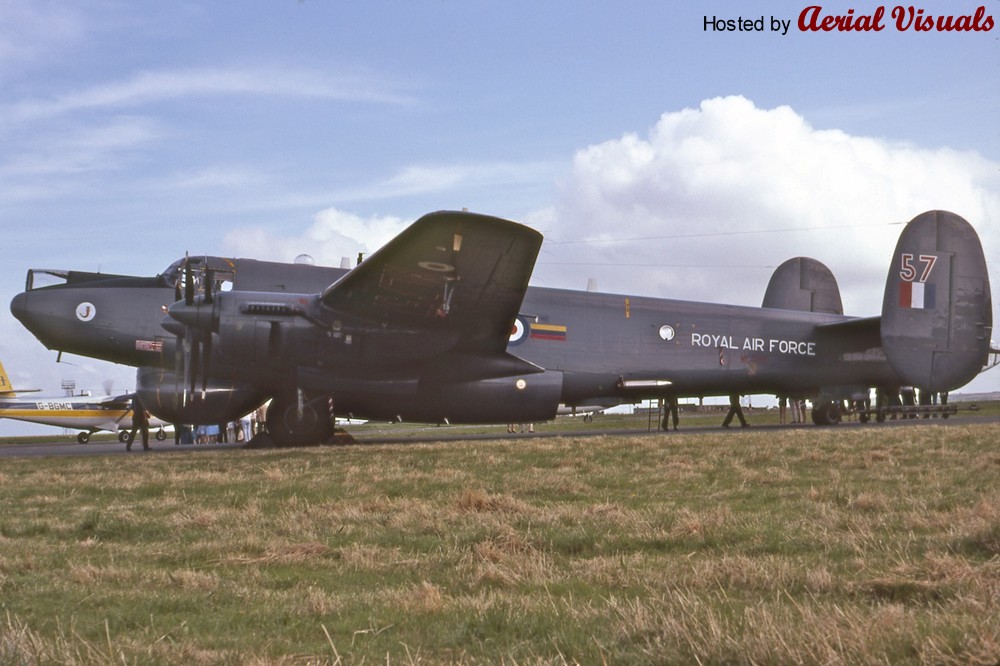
(163, 394)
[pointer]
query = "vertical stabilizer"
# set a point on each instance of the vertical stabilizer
(5, 387)
(937, 313)
(803, 284)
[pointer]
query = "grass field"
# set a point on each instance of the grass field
(845, 545)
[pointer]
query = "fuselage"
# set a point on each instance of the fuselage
(76, 412)
(612, 344)
(439, 325)
(590, 345)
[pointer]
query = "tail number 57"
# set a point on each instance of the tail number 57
(909, 269)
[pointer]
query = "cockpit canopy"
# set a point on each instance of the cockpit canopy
(223, 272)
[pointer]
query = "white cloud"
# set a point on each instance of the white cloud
(44, 166)
(715, 198)
(157, 86)
(727, 173)
(219, 177)
(334, 234)
(463, 178)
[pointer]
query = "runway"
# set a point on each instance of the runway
(423, 434)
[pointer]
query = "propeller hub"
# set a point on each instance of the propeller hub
(197, 315)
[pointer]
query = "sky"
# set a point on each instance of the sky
(658, 152)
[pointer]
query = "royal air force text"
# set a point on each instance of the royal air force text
(768, 345)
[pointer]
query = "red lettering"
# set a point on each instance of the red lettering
(810, 20)
(911, 17)
(987, 24)
(809, 23)
(900, 16)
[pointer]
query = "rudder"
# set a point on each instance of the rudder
(937, 312)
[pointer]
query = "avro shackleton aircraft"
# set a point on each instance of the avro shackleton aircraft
(439, 325)
(85, 413)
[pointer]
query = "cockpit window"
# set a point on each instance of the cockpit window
(173, 273)
(223, 271)
(44, 277)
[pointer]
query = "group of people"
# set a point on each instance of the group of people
(241, 431)
(906, 397)
(798, 409)
(671, 417)
(512, 428)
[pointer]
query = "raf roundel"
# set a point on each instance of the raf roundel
(667, 332)
(85, 311)
(517, 331)
(436, 266)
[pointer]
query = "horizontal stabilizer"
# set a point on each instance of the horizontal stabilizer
(7, 389)
(858, 327)
(805, 285)
(937, 312)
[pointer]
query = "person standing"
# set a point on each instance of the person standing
(796, 405)
(735, 410)
(140, 423)
(670, 413)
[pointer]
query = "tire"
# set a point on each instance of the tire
(827, 414)
(289, 428)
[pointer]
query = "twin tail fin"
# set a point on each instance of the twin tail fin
(937, 313)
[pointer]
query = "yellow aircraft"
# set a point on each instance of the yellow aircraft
(84, 413)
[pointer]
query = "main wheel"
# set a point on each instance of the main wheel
(83, 437)
(289, 426)
(826, 414)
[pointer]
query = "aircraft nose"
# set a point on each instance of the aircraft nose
(19, 306)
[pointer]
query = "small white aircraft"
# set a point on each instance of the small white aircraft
(84, 412)
(586, 411)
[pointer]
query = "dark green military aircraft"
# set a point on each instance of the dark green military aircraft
(440, 325)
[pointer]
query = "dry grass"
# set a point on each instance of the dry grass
(849, 545)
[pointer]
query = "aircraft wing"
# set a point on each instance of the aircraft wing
(459, 273)
(120, 399)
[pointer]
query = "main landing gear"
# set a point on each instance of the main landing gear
(831, 413)
(826, 414)
(292, 420)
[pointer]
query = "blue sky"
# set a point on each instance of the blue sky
(131, 132)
